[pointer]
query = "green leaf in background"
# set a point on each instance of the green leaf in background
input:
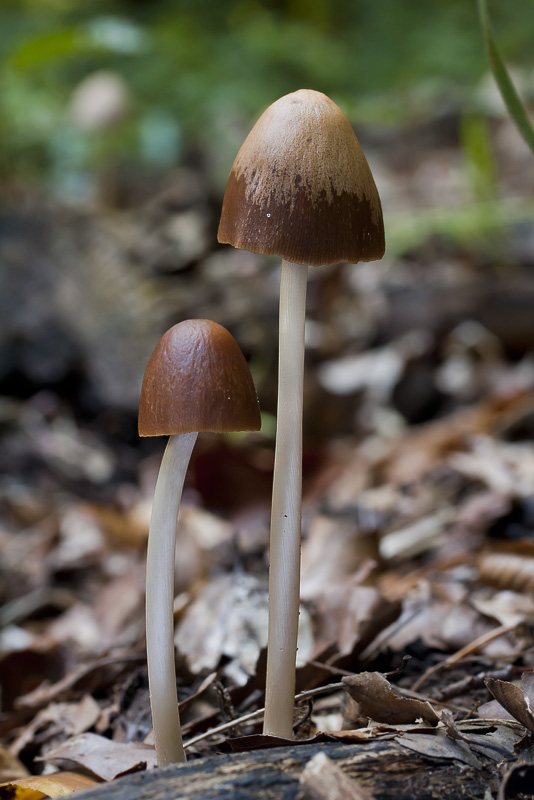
(52, 45)
(500, 73)
(480, 159)
(198, 72)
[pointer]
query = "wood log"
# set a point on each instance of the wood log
(382, 768)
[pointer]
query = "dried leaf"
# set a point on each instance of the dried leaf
(514, 700)
(76, 627)
(82, 679)
(507, 571)
(58, 719)
(345, 612)
(378, 700)
(101, 756)
(376, 371)
(508, 608)
(505, 468)
(422, 618)
(10, 767)
(29, 670)
(227, 618)
(377, 731)
(81, 542)
(203, 538)
(493, 710)
(119, 607)
(333, 550)
(39, 786)
(439, 747)
(418, 537)
(125, 526)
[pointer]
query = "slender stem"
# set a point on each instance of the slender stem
(160, 599)
(284, 572)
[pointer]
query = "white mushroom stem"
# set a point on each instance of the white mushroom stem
(160, 598)
(284, 570)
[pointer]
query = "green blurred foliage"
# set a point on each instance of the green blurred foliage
(480, 160)
(198, 71)
(503, 79)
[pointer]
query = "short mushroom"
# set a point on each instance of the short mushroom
(300, 188)
(196, 379)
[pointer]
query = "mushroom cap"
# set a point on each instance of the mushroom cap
(197, 379)
(301, 188)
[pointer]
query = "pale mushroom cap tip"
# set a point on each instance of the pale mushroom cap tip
(197, 379)
(301, 188)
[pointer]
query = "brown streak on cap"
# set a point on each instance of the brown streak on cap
(197, 379)
(301, 188)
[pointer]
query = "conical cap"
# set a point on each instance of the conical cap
(197, 379)
(301, 188)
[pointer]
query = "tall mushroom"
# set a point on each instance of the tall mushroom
(196, 379)
(300, 188)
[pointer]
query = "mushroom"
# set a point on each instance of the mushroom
(300, 188)
(196, 379)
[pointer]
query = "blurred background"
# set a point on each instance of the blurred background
(119, 122)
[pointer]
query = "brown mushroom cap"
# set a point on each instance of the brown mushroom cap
(301, 188)
(197, 379)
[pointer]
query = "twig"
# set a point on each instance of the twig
(475, 645)
(331, 687)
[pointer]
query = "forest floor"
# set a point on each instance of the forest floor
(418, 514)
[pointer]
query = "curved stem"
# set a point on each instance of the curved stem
(284, 571)
(160, 599)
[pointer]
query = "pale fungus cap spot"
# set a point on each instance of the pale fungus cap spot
(301, 188)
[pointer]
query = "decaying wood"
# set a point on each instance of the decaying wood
(383, 768)
(321, 779)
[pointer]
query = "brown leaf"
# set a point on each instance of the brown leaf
(345, 612)
(507, 571)
(332, 552)
(103, 757)
(119, 608)
(28, 670)
(228, 617)
(58, 720)
(508, 608)
(417, 537)
(419, 451)
(439, 747)
(514, 700)
(39, 786)
(10, 767)
(504, 467)
(377, 731)
(493, 710)
(82, 679)
(378, 700)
